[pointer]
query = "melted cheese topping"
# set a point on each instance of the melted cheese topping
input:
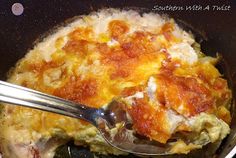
(148, 60)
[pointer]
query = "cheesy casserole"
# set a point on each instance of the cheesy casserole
(169, 86)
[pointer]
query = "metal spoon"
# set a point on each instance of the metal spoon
(105, 120)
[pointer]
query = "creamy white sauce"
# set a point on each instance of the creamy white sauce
(151, 89)
(112, 43)
(216, 128)
(184, 52)
(174, 120)
(130, 99)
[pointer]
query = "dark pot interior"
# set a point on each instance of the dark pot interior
(216, 30)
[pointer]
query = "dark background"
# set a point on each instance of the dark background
(216, 29)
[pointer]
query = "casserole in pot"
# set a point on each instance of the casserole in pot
(60, 91)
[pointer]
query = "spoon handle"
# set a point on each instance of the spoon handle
(13, 94)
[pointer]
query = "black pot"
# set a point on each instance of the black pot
(212, 21)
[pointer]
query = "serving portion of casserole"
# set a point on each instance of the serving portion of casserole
(171, 90)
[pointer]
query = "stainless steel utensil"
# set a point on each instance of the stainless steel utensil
(105, 120)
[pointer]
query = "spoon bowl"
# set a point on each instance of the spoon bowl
(113, 122)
